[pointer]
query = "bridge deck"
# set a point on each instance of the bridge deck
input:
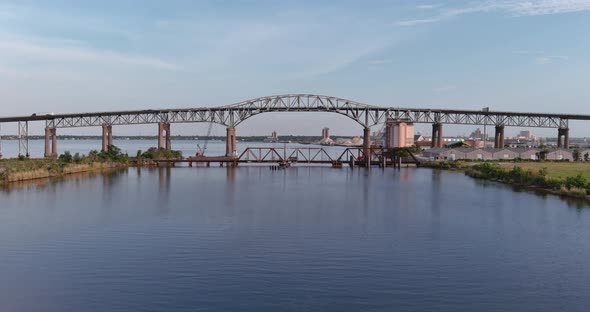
(366, 115)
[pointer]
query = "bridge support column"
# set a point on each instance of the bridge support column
(434, 136)
(168, 139)
(563, 138)
(107, 137)
(50, 143)
(54, 143)
(47, 143)
(367, 144)
(499, 137)
(230, 142)
(164, 140)
(437, 136)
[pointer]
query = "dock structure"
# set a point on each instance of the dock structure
(353, 157)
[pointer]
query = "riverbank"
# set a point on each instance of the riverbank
(15, 170)
(23, 169)
(570, 179)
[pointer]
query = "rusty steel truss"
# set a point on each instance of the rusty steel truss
(313, 155)
(365, 115)
(307, 155)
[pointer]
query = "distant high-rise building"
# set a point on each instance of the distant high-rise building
(526, 134)
(326, 137)
(274, 137)
(398, 133)
(477, 134)
(325, 133)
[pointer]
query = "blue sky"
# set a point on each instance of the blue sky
(65, 56)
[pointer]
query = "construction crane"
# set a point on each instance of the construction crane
(379, 137)
(201, 150)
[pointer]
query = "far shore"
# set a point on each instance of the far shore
(563, 178)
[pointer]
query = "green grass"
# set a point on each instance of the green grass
(15, 165)
(19, 170)
(558, 170)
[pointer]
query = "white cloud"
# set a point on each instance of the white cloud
(527, 52)
(51, 19)
(542, 60)
(298, 45)
(288, 45)
(379, 62)
(428, 6)
(545, 7)
(541, 57)
(42, 51)
(445, 88)
(513, 7)
(418, 21)
(450, 13)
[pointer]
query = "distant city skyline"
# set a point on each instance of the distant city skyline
(60, 56)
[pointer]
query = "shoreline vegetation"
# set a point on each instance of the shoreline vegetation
(563, 178)
(571, 179)
(23, 169)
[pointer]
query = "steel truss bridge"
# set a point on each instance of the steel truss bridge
(233, 115)
(307, 155)
(365, 115)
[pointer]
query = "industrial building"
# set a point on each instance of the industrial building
(498, 154)
(398, 133)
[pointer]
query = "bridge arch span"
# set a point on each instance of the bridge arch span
(356, 111)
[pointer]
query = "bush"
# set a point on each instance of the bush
(577, 181)
(66, 157)
(415, 149)
(542, 155)
(577, 155)
(162, 153)
(113, 154)
(543, 172)
(487, 171)
(444, 164)
(93, 155)
(573, 191)
(77, 158)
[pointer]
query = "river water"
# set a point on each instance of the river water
(300, 239)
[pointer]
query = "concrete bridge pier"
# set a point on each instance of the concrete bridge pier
(499, 137)
(164, 140)
(50, 143)
(107, 137)
(367, 144)
(230, 142)
(437, 136)
(563, 138)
